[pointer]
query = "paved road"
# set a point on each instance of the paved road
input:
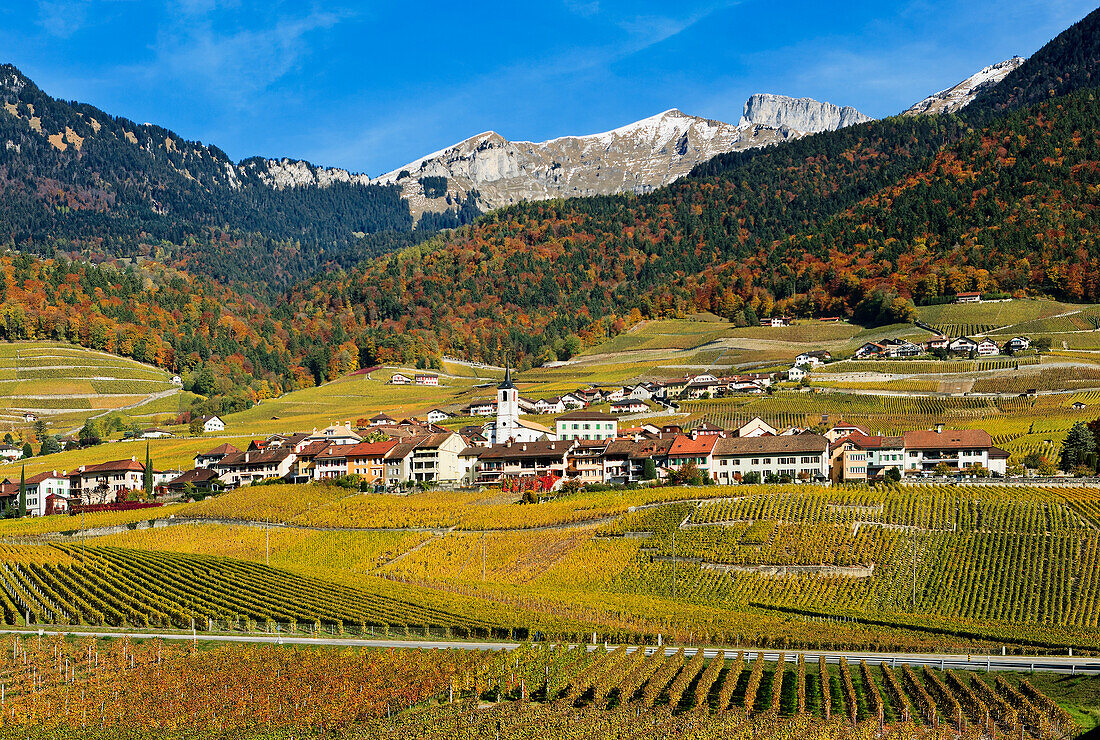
(1050, 663)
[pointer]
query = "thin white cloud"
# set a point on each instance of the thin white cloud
(62, 18)
(240, 63)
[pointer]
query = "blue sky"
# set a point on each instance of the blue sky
(371, 85)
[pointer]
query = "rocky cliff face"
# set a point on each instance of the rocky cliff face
(800, 114)
(959, 96)
(635, 158)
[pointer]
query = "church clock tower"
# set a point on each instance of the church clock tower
(507, 425)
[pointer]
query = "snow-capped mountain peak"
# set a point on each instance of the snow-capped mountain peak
(959, 96)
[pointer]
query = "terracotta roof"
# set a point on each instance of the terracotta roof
(313, 448)
(34, 480)
(874, 442)
(371, 449)
(687, 446)
(947, 439)
(198, 475)
(222, 449)
(794, 444)
(433, 440)
(112, 466)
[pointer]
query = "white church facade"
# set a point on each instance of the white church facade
(508, 425)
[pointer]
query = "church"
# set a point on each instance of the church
(508, 425)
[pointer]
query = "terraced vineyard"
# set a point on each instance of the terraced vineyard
(1014, 564)
(887, 412)
(65, 383)
(965, 330)
(64, 584)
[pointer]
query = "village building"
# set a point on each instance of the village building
(102, 483)
(987, 348)
(515, 459)
(201, 480)
(587, 425)
(437, 415)
(48, 493)
(253, 466)
(585, 461)
(957, 449)
(552, 405)
(629, 406)
(847, 460)
(972, 297)
(426, 379)
(400, 379)
(337, 434)
(686, 450)
(813, 359)
(211, 424)
(801, 457)
(207, 459)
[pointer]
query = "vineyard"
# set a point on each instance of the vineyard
(118, 587)
(1014, 564)
(964, 330)
(82, 687)
(883, 412)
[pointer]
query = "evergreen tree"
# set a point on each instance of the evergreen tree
(23, 492)
(1078, 446)
(28, 451)
(148, 471)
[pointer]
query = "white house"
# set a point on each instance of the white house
(212, 424)
(426, 379)
(629, 406)
(957, 449)
(615, 394)
(10, 453)
(987, 348)
(587, 425)
(44, 485)
(813, 359)
(968, 298)
(963, 345)
(573, 401)
(400, 379)
(644, 391)
(797, 373)
(437, 415)
(802, 456)
(482, 408)
(1017, 344)
(757, 427)
(552, 405)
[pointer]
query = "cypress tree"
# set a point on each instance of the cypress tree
(23, 491)
(148, 471)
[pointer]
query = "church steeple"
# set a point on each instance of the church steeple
(507, 379)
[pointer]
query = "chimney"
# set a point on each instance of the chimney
(246, 456)
(939, 427)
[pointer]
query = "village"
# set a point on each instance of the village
(585, 448)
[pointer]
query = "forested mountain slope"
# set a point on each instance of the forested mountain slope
(78, 180)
